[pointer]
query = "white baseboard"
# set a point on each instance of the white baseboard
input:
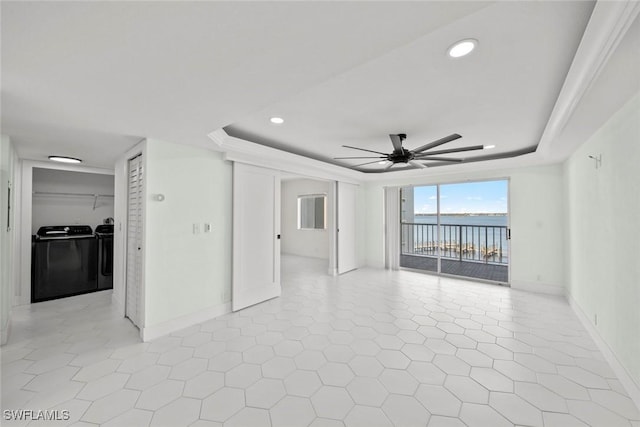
(540, 288)
(632, 388)
(149, 333)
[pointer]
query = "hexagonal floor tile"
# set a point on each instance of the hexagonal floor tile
(160, 394)
(563, 387)
(366, 366)
(398, 381)
(515, 409)
(204, 385)
(188, 369)
(337, 374)
(332, 402)
(148, 377)
(265, 393)
(278, 367)
(451, 364)
(108, 407)
(492, 379)
(242, 376)
(338, 353)
(405, 411)
(302, 383)
(541, 397)
(180, 412)
(476, 415)
(514, 370)
(292, 411)
(258, 354)
(418, 352)
(466, 389)
(426, 372)
(367, 391)
(288, 348)
(225, 361)
(253, 417)
(438, 400)
(475, 358)
(222, 404)
(175, 356)
(393, 359)
(365, 416)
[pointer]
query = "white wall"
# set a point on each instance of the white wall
(8, 257)
(536, 218)
(185, 273)
(603, 239)
(65, 210)
(309, 243)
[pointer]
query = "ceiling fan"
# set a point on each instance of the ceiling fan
(415, 157)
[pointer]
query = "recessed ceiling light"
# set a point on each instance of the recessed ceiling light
(64, 159)
(489, 147)
(276, 120)
(462, 48)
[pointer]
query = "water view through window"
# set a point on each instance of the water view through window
(457, 229)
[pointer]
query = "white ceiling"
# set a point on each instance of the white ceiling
(90, 79)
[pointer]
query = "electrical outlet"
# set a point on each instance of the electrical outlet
(207, 227)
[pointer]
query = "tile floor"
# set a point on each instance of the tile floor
(370, 348)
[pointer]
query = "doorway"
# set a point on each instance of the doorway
(306, 223)
(458, 229)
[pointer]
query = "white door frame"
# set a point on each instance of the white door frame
(24, 213)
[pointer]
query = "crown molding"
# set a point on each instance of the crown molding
(607, 26)
(242, 151)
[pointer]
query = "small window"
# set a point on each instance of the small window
(312, 212)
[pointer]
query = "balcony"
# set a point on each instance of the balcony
(477, 251)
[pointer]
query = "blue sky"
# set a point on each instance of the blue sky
(472, 197)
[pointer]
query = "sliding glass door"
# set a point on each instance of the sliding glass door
(419, 228)
(457, 229)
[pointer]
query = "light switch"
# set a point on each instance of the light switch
(196, 228)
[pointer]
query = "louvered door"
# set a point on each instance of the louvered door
(134, 240)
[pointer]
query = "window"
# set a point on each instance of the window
(312, 212)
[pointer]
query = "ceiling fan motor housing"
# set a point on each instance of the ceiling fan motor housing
(401, 155)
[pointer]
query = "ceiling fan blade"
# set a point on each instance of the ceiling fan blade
(389, 166)
(452, 150)
(368, 163)
(441, 159)
(364, 149)
(370, 157)
(434, 144)
(396, 140)
(417, 164)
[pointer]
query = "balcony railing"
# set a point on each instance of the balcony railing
(475, 243)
